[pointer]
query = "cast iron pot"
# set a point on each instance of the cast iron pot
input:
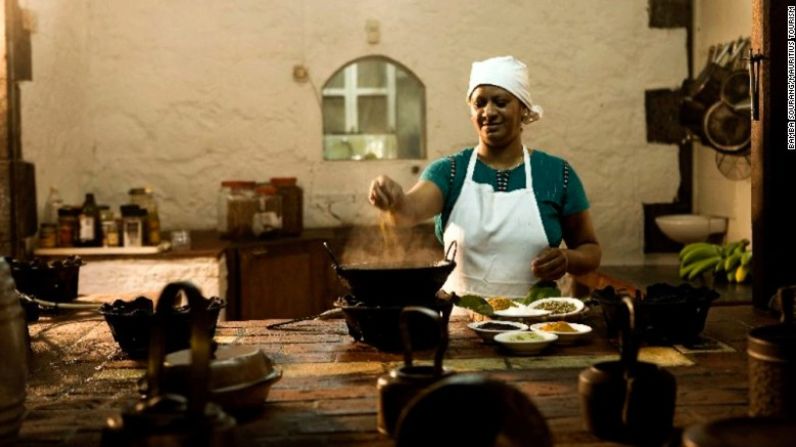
(395, 284)
(628, 400)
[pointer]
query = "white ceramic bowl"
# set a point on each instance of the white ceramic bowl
(583, 332)
(488, 335)
(525, 342)
(579, 306)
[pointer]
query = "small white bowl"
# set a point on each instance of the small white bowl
(565, 338)
(525, 342)
(488, 335)
(579, 306)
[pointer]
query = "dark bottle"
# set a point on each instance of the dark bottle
(89, 225)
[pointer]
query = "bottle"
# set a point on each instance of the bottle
(51, 207)
(90, 230)
(145, 199)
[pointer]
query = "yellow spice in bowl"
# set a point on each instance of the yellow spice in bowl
(558, 326)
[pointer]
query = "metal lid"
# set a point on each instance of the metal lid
(741, 432)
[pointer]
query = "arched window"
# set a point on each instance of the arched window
(373, 109)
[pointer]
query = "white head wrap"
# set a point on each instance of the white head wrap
(507, 73)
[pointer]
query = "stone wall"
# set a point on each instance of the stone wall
(180, 95)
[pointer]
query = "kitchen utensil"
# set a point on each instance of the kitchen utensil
(14, 354)
(581, 332)
(163, 419)
(525, 342)
(379, 326)
(131, 323)
(628, 400)
(488, 329)
(741, 432)
(389, 284)
(240, 377)
(55, 281)
(331, 313)
(475, 411)
(728, 131)
(772, 363)
(401, 384)
(666, 314)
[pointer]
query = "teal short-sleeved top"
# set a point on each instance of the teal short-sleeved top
(558, 190)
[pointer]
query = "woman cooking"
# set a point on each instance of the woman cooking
(508, 207)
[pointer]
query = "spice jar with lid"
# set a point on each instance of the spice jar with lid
(237, 207)
(48, 235)
(268, 219)
(292, 205)
(145, 199)
(110, 232)
(67, 225)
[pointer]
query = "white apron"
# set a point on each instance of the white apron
(498, 235)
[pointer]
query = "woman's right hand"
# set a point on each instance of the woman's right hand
(385, 193)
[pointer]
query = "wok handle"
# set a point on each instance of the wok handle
(455, 246)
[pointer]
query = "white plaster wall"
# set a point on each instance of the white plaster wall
(110, 277)
(715, 22)
(179, 95)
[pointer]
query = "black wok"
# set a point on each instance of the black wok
(395, 284)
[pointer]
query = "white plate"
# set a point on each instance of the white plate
(517, 342)
(522, 311)
(574, 301)
(583, 332)
(488, 335)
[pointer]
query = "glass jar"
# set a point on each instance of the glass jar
(133, 218)
(145, 199)
(48, 235)
(292, 205)
(110, 232)
(237, 206)
(268, 219)
(67, 225)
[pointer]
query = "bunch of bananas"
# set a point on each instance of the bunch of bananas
(730, 261)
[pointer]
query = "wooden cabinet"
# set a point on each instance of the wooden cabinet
(285, 279)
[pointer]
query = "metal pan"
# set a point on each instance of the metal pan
(395, 284)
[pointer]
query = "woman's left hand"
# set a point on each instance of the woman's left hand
(550, 264)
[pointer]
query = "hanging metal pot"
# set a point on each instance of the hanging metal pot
(727, 130)
(166, 420)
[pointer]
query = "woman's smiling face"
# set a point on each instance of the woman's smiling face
(496, 115)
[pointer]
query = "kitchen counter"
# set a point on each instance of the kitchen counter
(641, 276)
(327, 395)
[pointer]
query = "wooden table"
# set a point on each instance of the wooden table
(328, 394)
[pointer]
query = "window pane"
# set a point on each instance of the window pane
(371, 74)
(337, 81)
(409, 116)
(333, 114)
(372, 114)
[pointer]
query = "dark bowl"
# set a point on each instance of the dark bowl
(667, 313)
(395, 284)
(50, 281)
(378, 326)
(131, 323)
